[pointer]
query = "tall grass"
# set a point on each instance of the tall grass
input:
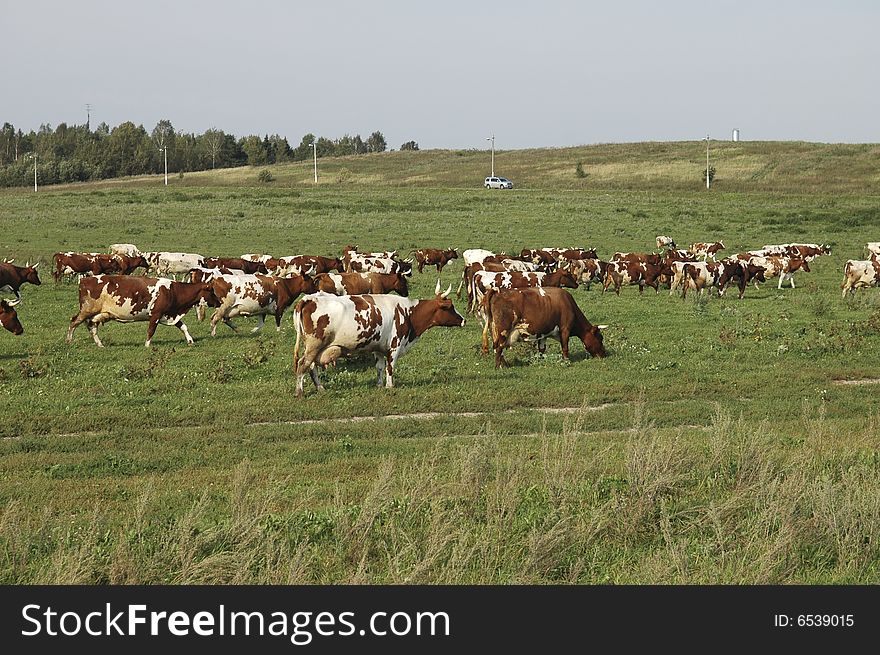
(720, 505)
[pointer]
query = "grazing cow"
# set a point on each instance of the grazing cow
(349, 284)
(352, 252)
(12, 277)
(386, 265)
(485, 280)
(173, 263)
(8, 317)
(665, 242)
(304, 265)
(331, 326)
(127, 299)
(253, 257)
(704, 251)
(873, 248)
(239, 263)
(255, 295)
(630, 271)
(435, 257)
(536, 314)
(128, 249)
(860, 274)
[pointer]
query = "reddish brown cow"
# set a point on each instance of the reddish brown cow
(631, 271)
(126, 299)
(740, 271)
(74, 263)
(255, 295)
(12, 277)
(8, 317)
(535, 314)
(247, 266)
(434, 257)
(349, 284)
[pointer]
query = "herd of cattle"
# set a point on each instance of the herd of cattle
(517, 297)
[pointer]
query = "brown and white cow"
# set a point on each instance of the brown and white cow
(304, 265)
(873, 249)
(699, 276)
(434, 257)
(665, 242)
(625, 272)
(349, 284)
(255, 295)
(359, 264)
(588, 271)
(860, 274)
(740, 271)
(128, 249)
(173, 263)
(12, 277)
(9, 318)
(330, 326)
(351, 252)
(535, 315)
(704, 251)
(128, 299)
(485, 280)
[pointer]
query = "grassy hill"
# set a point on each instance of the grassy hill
(745, 166)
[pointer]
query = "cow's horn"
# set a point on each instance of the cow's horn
(35, 265)
(601, 327)
(445, 294)
(409, 260)
(437, 288)
(13, 303)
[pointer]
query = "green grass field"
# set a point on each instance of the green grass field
(720, 441)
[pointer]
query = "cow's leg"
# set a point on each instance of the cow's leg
(93, 329)
(485, 341)
(75, 320)
(500, 362)
(542, 345)
(390, 361)
(563, 341)
(380, 368)
(262, 322)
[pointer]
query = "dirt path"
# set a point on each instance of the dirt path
(857, 383)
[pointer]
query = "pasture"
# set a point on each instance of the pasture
(720, 441)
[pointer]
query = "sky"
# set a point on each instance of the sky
(539, 73)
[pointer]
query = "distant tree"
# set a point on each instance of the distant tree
(213, 140)
(579, 171)
(376, 142)
(410, 145)
(304, 149)
(325, 147)
(254, 150)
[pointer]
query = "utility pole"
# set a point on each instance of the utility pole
(492, 139)
(164, 149)
(315, 150)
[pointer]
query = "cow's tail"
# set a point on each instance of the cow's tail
(297, 324)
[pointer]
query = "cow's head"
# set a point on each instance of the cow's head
(29, 274)
(590, 254)
(406, 267)
(401, 286)
(593, 341)
(8, 317)
(336, 264)
(138, 261)
(444, 313)
(452, 253)
(565, 279)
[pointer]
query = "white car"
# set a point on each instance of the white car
(498, 183)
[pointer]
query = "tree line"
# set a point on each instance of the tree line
(76, 153)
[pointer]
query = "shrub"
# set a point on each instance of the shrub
(579, 171)
(265, 176)
(711, 174)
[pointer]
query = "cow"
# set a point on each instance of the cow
(386, 265)
(173, 263)
(789, 266)
(84, 263)
(806, 251)
(538, 256)
(860, 274)
(239, 263)
(536, 314)
(630, 271)
(128, 249)
(254, 257)
(638, 257)
(476, 256)
(434, 257)
(349, 284)
(704, 251)
(304, 265)
(128, 299)
(699, 275)
(485, 280)
(255, 295)
(741, 271)
(873, 249)
(352, 252)
(12, 277)
(665, 242)
(330, 326)
(588, 271)
(9, 318)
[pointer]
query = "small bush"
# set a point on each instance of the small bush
(711, 174)
(579, 171)
(265, 176)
